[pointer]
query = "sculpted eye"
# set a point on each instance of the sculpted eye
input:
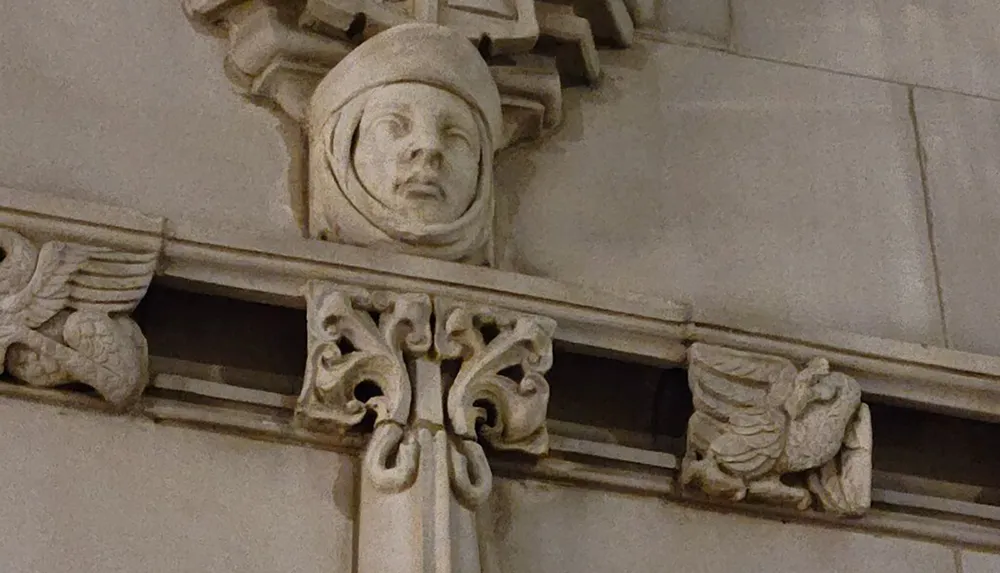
(458, 135)
(395, 124)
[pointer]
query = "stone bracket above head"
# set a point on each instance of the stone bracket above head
(507, 59)
(278, 51)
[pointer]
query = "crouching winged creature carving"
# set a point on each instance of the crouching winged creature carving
(63, 315)
(765, 431)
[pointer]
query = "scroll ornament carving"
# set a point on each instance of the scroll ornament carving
(64, 315)
(363, 353)
(764, 430)
(500, 391)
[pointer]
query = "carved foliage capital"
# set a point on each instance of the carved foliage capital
(501, 383)
(357, 343)
(371, 351)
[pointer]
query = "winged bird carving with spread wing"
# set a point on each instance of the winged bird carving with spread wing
(63, 315)
(764, 430)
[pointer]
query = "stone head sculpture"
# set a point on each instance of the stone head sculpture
(401, 139)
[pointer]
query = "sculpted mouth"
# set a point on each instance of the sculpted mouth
(421, 188)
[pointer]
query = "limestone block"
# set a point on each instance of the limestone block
(950, 44)
(961, 138)
(128, 105)
(534, 523)
(767, 195)
(708, 18)
(87, 493)
(980, 562)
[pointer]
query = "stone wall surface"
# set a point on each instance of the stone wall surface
(128, 104)
(961, 138)
(768, 195)
(88, 493)
(948, 44)
(980, 562)
(535, 523)
(708, 19)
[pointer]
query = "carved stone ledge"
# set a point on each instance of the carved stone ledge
(64, 315)
(765, 431)
(431, 399)
(643, 329)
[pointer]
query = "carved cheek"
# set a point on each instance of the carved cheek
(463, 172)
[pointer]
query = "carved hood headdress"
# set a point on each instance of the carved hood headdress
(341, 209)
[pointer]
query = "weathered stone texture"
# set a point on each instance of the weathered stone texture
(94, 494)
(127, 104)
(950, 44)
(980, 562)
(961, 137)
(536, 523)
(765, 194)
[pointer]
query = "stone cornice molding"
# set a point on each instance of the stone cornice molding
(642, 329)
(456, 356)
(572, 462)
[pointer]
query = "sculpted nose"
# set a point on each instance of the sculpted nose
(425, 145)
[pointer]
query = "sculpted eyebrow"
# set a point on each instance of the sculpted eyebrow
(391, 107)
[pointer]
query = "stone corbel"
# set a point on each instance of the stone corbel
(765, 431)
(497, 67)
(64, 315)
(433, 397)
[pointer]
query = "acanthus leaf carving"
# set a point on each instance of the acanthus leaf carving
(766, 431)
(424, 457)
(347, 349)
(510, 413)
(63, 315)
(499, 393)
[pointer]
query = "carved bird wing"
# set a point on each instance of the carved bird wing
(726, 383)
(111, 281)
(48, 290)
(80, 277)
(735, 389)
(752, 444)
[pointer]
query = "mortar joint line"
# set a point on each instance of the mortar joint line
(928, 213)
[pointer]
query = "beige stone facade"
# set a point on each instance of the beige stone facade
(617, 286)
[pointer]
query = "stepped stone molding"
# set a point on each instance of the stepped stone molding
(763, 430)
(64, 315)
(279, 50)
(423, 472)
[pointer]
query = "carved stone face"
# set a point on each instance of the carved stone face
(418, 151)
